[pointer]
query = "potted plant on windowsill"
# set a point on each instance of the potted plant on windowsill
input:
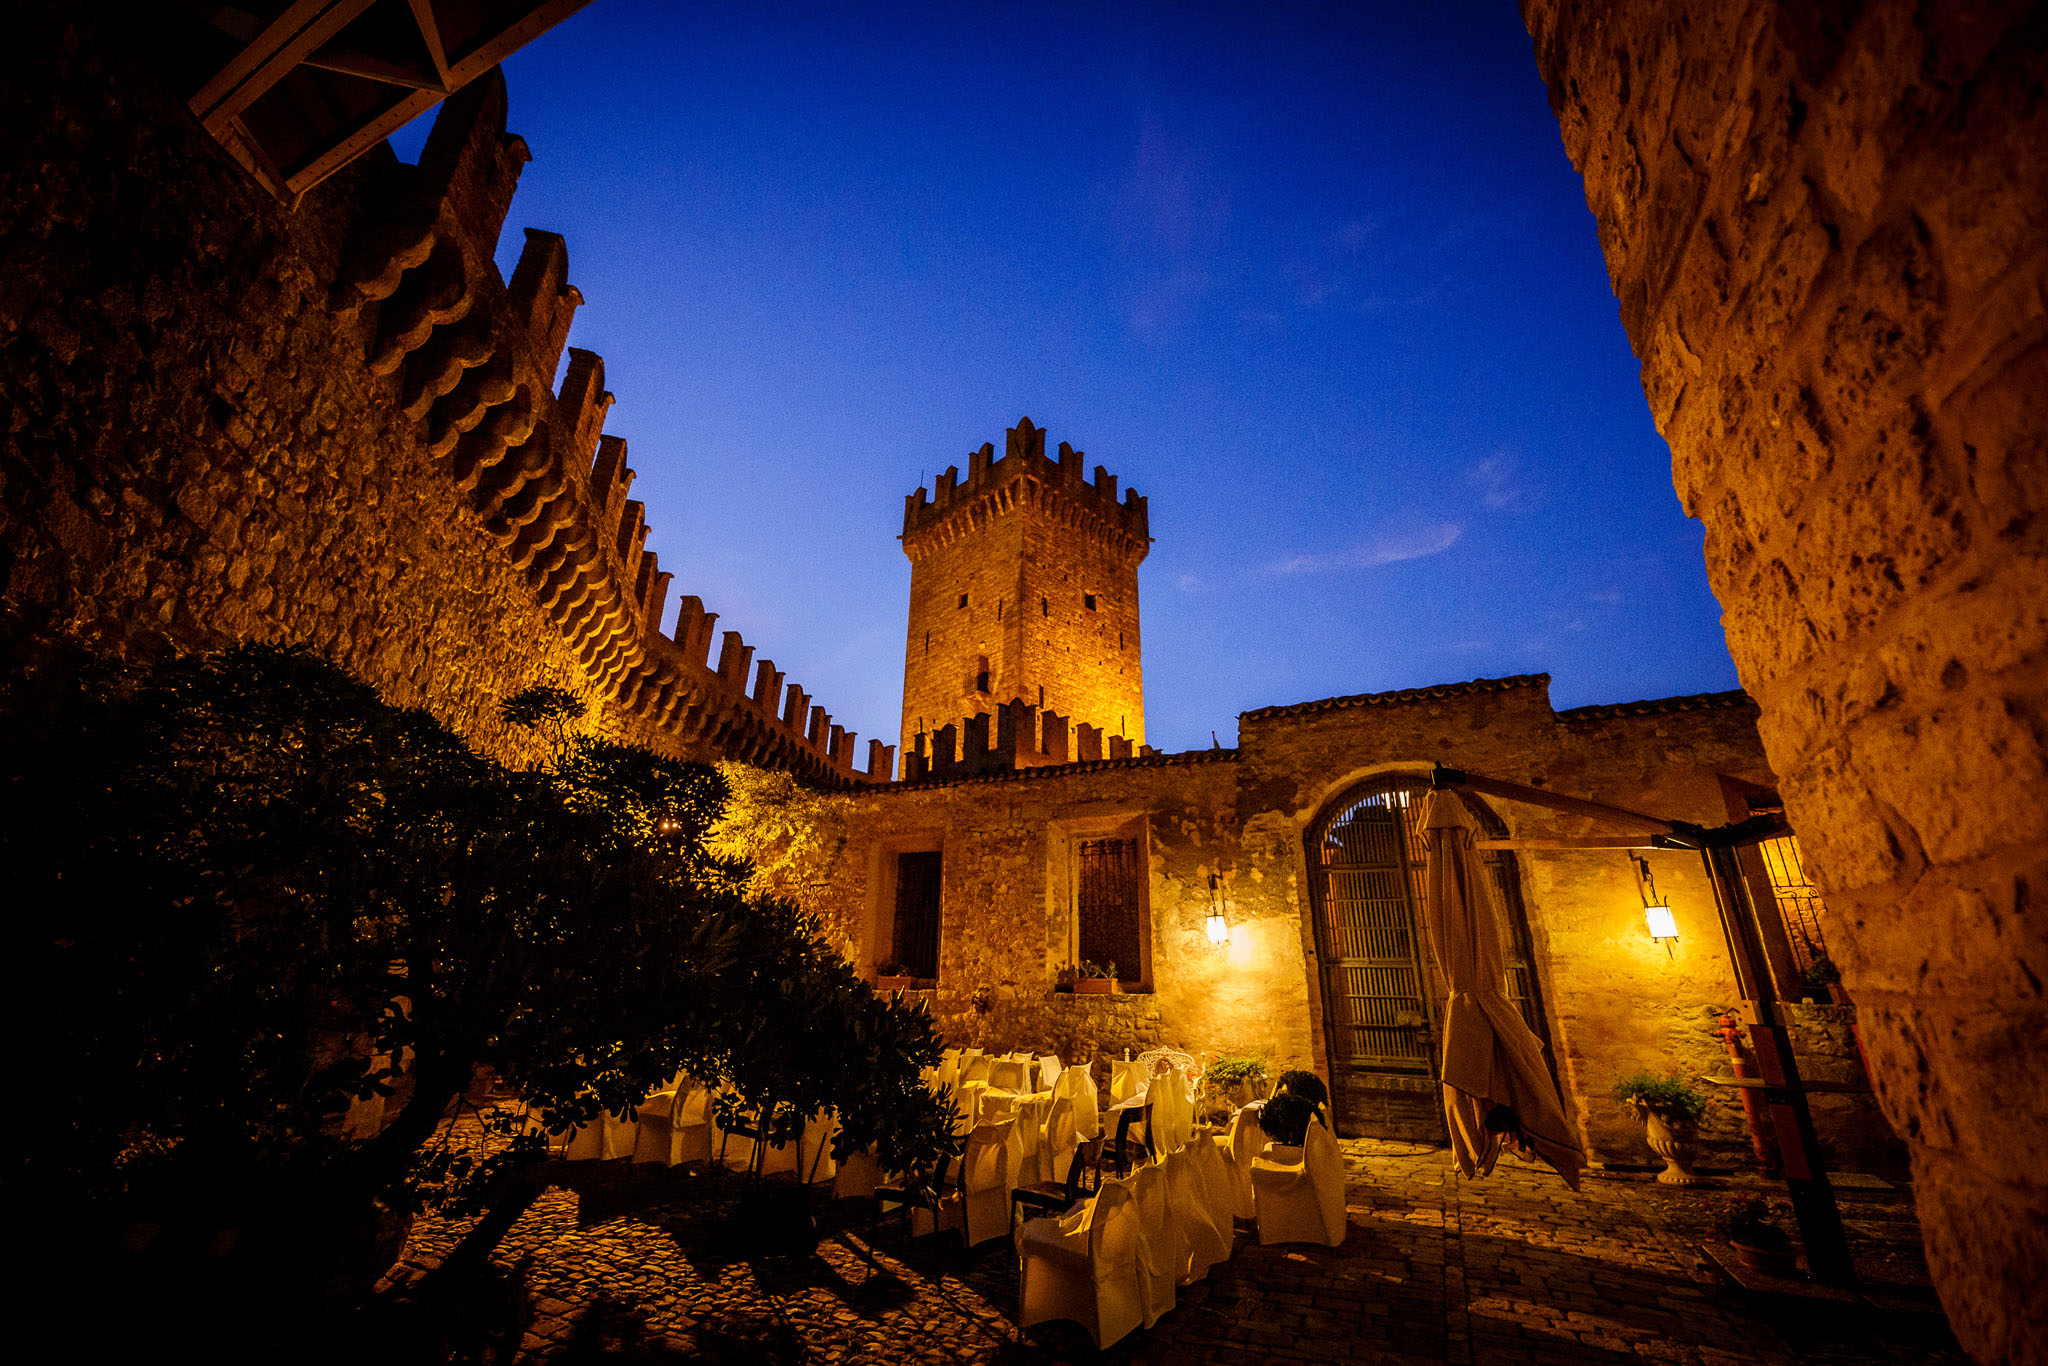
(1671, 1112)
(894, 976)
(1759, 1244)
(1096, 979)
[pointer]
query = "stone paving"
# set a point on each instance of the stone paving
(622, 1263)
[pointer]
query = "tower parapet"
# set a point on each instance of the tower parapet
(1024, 475)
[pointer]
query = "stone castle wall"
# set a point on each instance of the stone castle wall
(1615, 1002)
(337, 426)
(1827, 226)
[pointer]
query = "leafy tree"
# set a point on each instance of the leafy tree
(244, 879)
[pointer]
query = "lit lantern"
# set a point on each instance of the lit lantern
(1656, 910)
(1663, 926)
(1219, 928)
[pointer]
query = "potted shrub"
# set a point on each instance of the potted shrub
(1097, 979)
(1238, 1080)
(1759, 1244)
(1671, 1112)
(894, 976)
(1822, 981)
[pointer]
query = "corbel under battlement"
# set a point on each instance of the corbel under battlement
(473, 362)
(1024, 477)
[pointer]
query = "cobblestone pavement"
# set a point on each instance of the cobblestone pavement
(625, 1263)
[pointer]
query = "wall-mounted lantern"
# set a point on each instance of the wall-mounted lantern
(1219, 927)
(1656, 909)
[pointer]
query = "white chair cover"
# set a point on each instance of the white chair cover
(1299, 1192)
(651, 1140)
(689, 1130)
(1029, 1160)
(1078, 1085)
(1217, 1191)
(1126, 1079)
(1048, 1071)
(949, 1068)
(1197, 1244)
(1010, 1073)
(1157, 1266)
(858, 1176)
(1242, 1146)
(979, 1205)
(1170, 1121)
(976, 1067)
(1084, 1267)
(1060, 1138)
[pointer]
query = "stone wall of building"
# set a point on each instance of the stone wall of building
(1827, 226)
(1614, 1001)
(336, 426)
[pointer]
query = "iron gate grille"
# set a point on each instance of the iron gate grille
(1369, 866)
(1798, 899)
(1107, 906)
(916, 936)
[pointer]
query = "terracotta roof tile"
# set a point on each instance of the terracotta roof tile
(1400, 697)
(1699, 701)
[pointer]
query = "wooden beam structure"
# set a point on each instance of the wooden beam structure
(309, 85)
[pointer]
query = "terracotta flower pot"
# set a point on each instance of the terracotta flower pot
(1094, 986)
(1678, 1145)
(1772, 1261)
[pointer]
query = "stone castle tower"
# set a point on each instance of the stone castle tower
(1023, 605)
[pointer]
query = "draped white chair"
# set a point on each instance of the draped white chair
(977, 1196)
(1011, 1072)
(1048, 1071)
(1197, 1243)
(1078, 1085)
(949, 1068)
(651, 1137)
(1029, 1161)
(1299, 1192)
(1157, 1266)
(1243, 1143)
(1127, 1078)
(975, 1065)
(1084, 1267)
(608, 1136)
(1171, 1121)
(1061, 1138)
(689, 1127)
(857, 1176)
(1216, 1190)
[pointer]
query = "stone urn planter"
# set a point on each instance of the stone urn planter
(1671, 1112)
(1677, 1142)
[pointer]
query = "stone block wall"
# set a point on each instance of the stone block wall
(1827, 226)
(1615, 1001)
(336, 426)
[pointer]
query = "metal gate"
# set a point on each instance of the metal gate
(1367, 865)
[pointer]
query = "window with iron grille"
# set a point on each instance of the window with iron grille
(1109, 908)
(914, 940)
(1798, 899)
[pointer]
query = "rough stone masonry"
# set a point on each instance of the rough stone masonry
(1824, 222)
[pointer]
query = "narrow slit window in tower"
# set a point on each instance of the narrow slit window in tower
(963, 600)
(981, 673)
(1088, 601)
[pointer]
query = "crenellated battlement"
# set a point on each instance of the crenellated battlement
(473, 360)
(1024, 477)
(1015, 736)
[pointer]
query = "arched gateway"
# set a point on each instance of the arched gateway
(1381, 993)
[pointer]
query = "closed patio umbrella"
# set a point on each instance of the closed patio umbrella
(1496, 1084)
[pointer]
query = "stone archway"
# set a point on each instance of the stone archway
(1381, 995)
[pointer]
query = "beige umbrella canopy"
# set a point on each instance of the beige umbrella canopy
(1497, 1087)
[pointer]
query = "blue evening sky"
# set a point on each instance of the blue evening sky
(1319, 281)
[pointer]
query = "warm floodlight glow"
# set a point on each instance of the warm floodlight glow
(1219, 929)
(1663, 926)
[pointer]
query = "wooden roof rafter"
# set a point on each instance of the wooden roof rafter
(313, 84)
